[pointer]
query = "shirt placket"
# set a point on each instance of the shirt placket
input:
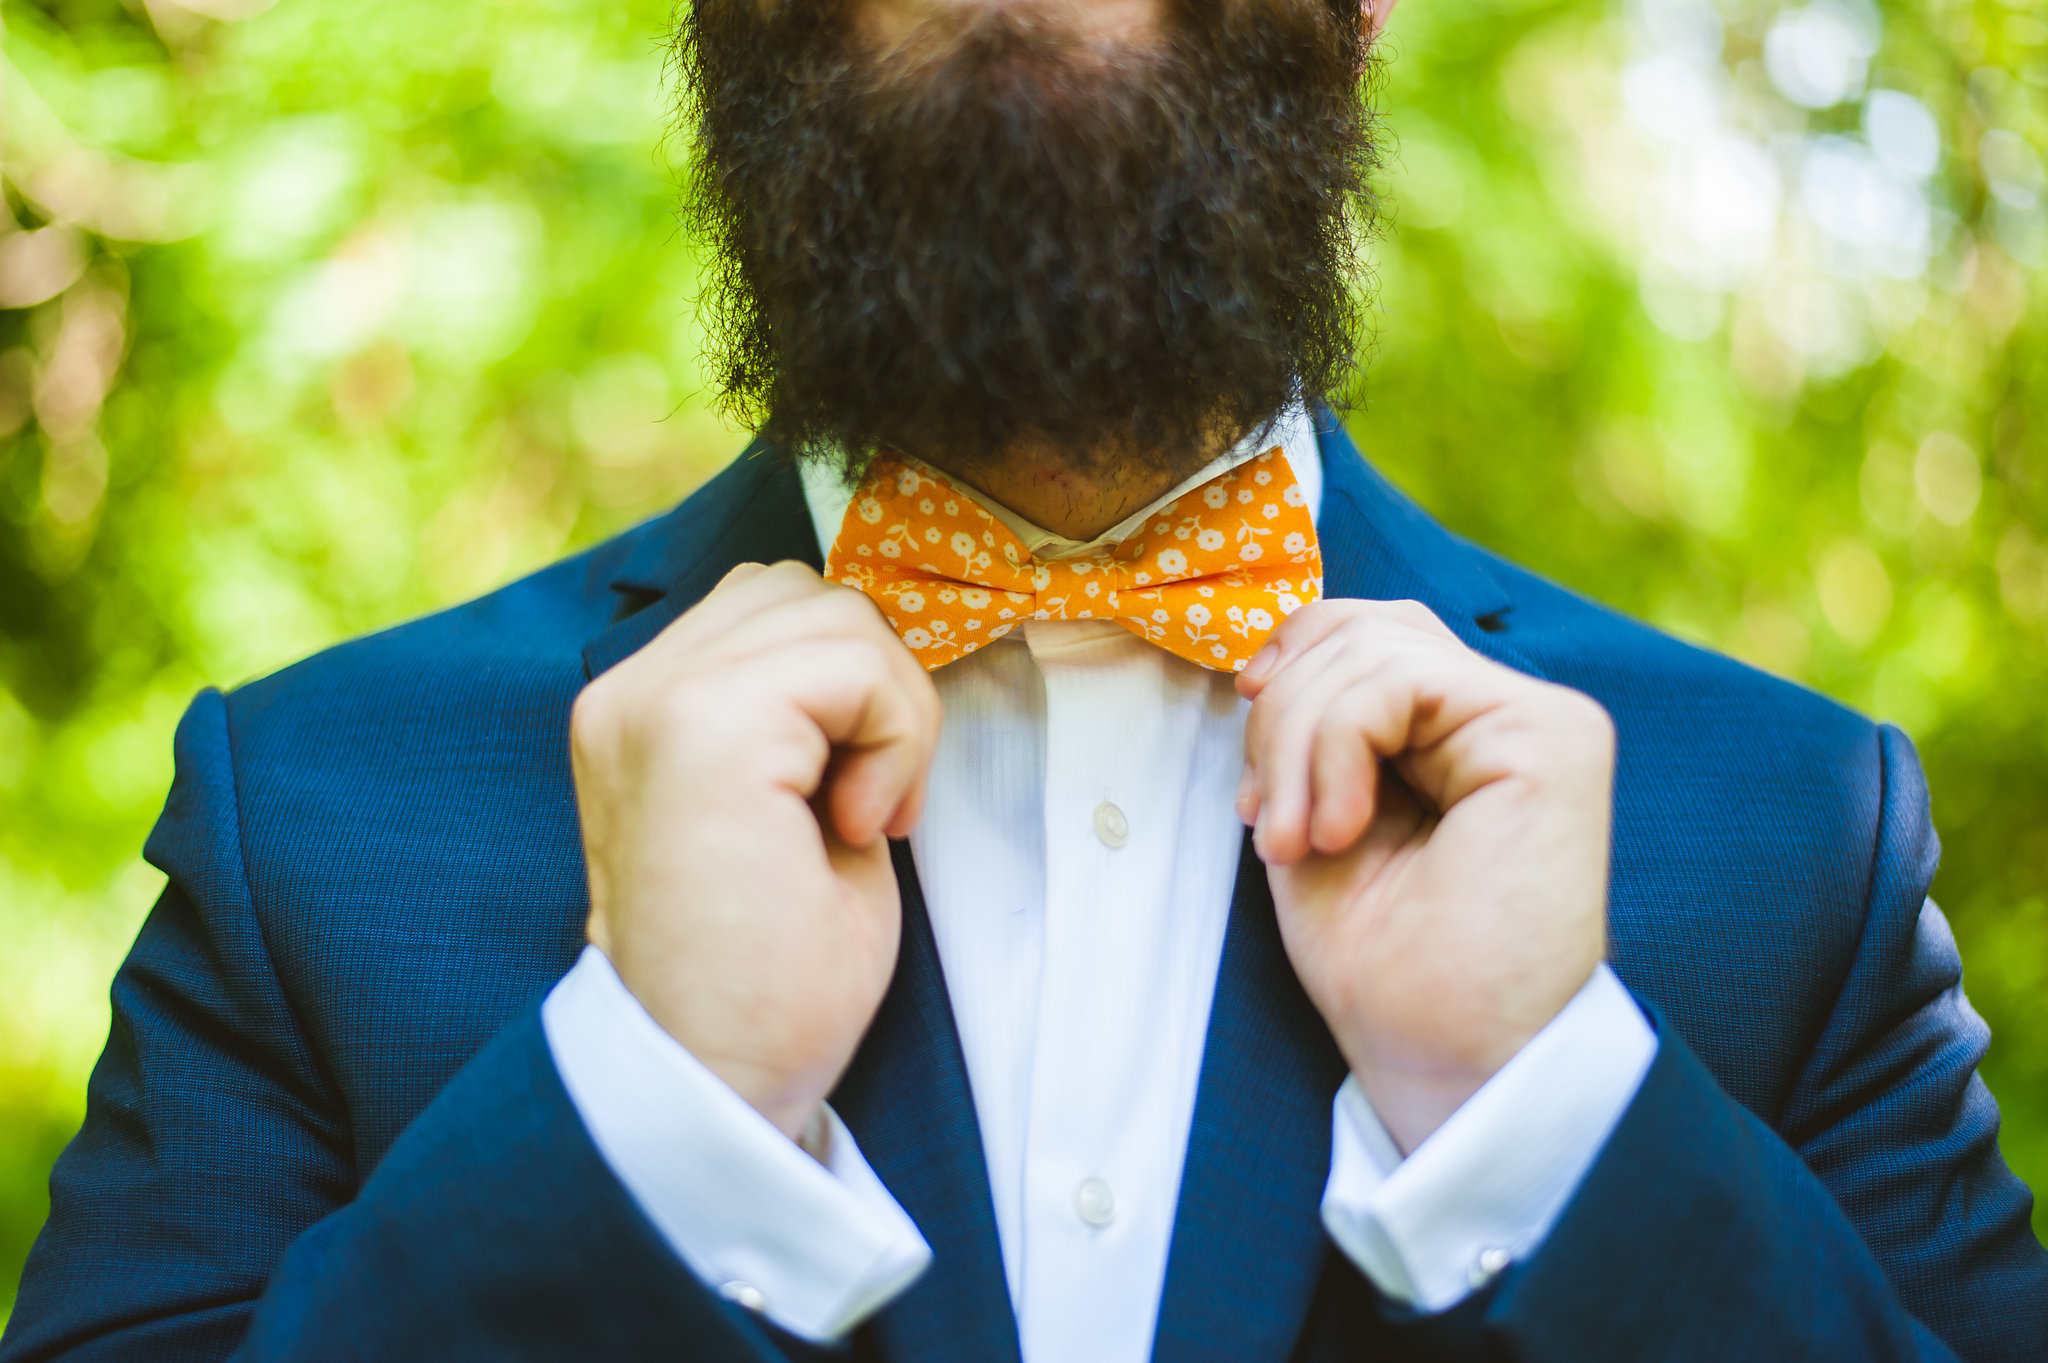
(1097, 1207)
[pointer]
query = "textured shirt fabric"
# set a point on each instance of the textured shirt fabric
(1077, 855)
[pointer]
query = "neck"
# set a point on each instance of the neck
(1074, 503)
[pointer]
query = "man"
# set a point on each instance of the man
(937, 1004)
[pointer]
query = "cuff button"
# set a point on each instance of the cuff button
(745, 1295)
(1490, 1263)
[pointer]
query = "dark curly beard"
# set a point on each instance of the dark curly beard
(999, 237)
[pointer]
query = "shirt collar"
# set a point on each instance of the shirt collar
(1293, 430)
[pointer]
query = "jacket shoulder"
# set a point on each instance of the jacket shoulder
(405, 823)
(539, 620)
(1647, 675)
(1758, 827)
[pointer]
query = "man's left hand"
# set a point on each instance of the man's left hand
(1435, 828)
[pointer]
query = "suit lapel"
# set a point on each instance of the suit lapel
(751, 512)
(906, 1100)
(1377, 545)
(1248, 1242)
(905, 1096)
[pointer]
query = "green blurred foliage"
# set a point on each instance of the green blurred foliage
(317, 316)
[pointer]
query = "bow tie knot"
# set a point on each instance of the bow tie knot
(1207, 576)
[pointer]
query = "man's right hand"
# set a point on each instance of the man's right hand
(738, 779)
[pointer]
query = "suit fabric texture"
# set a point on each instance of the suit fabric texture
(327, 1126)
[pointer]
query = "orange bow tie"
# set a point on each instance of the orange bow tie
(1207, 577)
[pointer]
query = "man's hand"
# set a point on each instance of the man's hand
(738, 780)
(1435, 827)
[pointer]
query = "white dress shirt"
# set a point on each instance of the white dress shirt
(1078, 856)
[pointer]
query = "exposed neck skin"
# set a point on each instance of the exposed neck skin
(1076, 505)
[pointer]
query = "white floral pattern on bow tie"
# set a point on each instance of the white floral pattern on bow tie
(1207, 577)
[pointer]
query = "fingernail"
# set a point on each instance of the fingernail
(1261, 663)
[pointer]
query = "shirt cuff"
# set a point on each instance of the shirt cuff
(1486, 1187)
(814, 1247)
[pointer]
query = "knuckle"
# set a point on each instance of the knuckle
(1336, 727)
(1321, 615)
(852, 608)
(593, 711)
(734, 576)
(926, 693)
(1360, 651)
(1410, 612)
(880, 673)
(1601, 727)
(1582, 722)
(865, 616)
(1586, 714)
(1375, 660)
(863, 665)
(1341, 612)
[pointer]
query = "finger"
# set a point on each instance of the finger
(878, 792)
(1296, 635)
(1314, 623)
(1281, 738)
(849, 728)
(880, 713)
(744, 593)
(827, 648)
(866, 869)
(1317, 732)
(877, 788)
(902, 820)
(1344, 776)
(1415, 616)
(1510, 726)
(1309, 669)
(821, 612)
(1446, 716)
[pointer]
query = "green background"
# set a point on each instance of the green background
(315, 316)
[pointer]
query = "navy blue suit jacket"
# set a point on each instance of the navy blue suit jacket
(327, 1126)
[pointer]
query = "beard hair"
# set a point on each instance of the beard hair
(1000, 237)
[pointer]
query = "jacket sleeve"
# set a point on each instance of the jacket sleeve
(211, 1206)
(1877, 1222)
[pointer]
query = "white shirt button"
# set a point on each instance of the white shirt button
(744, 1294)
(1488, 1266)
(1094, 1201)
(1111, 826)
